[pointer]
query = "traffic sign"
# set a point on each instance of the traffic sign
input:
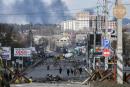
(106, 43)
(106, 52)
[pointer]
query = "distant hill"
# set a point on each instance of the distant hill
(126, 21)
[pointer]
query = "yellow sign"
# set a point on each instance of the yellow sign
(119, 11)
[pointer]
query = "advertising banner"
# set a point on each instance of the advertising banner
(6, 53)
(22, 52)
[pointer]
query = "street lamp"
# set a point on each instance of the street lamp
(119, 12)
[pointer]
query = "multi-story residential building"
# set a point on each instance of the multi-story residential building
(88, 22)
(80, 22)
(69, 25)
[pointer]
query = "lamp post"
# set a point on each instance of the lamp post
(119, 12)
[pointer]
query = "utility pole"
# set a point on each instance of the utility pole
(106, 16)
(30, 36)
(96, 28)
(119, 12)
(30, 40)
(106, 27)
(94, 41)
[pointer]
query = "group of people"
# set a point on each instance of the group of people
(74, 71)
(69, 71)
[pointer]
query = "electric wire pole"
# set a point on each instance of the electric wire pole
(94, 42)
(119, 12)
(106, 27)
(96, 29)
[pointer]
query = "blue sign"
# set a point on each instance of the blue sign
(106, 43)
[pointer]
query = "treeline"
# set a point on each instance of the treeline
(37, 29)
(16, 35)
(10, 36)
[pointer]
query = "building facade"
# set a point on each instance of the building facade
(80, 22)
(88, 22)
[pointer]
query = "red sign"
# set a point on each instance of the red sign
(106, 52)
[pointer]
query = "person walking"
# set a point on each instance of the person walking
(68, 72)
(48, 67)
(10, 76)
(80, 70)
(60, 70)
(6, 79)
(72, 71)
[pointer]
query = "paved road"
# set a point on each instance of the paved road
(41, 70)
(50, 85)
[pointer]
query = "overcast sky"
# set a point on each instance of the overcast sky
(74, 6)
(77, 4)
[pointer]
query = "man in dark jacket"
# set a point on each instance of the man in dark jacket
(6, 79)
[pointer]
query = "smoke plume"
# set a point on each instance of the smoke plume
(33, 11)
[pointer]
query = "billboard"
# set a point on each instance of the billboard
(22, 52)
(6, 53)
